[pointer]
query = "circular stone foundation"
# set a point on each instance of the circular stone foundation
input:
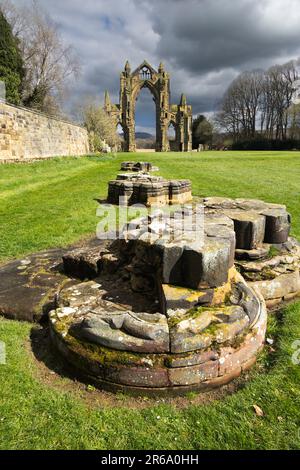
(198, 349)
(166, 312)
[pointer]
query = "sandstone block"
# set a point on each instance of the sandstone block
(83, 263)
(278, 225)
(174, 298)
(194, 374)
(138, 376)
(195, 266)
(125, 331)
(255, 254)
(192, 359)
(249, 229)
(200, 327)
(279, 287)
(231, 360)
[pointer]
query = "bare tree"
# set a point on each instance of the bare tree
(99, 125)
(227, 117)
(49, 63)
(259, 102)
(294, 121)
(16, 16)
(240, 106)
(278, 88)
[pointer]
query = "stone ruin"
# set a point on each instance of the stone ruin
(163, 312)
(179, 116)
(145, 167)
(136, 185)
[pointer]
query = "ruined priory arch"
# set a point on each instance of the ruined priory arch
(158, 82)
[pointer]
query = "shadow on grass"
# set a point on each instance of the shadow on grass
(46, 354)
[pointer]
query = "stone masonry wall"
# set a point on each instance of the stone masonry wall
(26, 135)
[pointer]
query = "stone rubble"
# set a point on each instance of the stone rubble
(140, 187)
(170, 309)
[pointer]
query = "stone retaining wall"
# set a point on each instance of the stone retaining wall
(28, 135)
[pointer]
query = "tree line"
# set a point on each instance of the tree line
(258, 106)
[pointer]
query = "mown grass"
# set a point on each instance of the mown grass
(52, 203)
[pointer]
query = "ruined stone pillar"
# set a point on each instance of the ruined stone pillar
(158, 82)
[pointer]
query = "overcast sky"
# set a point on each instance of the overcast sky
(203, 43)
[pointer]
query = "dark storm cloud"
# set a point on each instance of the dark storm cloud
(205, 35)
(204, 43)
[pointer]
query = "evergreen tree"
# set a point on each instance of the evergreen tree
(11, 63)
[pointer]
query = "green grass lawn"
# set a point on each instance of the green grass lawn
(51, 203)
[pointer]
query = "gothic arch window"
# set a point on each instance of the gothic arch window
(120, 136)
(145, 73)
(158, 83)
(172, 132)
